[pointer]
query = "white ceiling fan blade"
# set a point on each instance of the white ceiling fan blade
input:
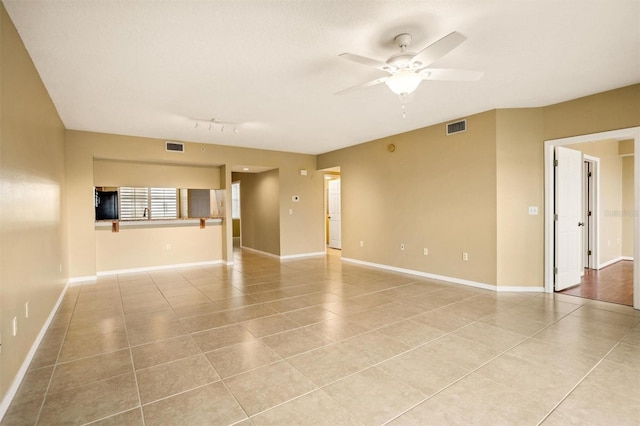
(447, 74)
(438, 49)
(367, 61)
(363, 85)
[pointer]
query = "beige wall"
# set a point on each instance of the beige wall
(32, 193)
(236, 228)
(147, 247)
(302, 231)
(389, 196)
(299, 233)
(615, 109)
(610, 196)
(439, 192)
(260, 211)
(434, 191)
(161, 175)
(520, 183)
(626, 147)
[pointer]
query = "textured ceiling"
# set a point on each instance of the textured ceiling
(149, 68)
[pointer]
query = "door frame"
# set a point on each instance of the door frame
(594, 220)
(549, 249)
(329, 173)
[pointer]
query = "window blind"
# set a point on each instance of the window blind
(235, 201)
(137, 203)
(164, 203)
(134, 203)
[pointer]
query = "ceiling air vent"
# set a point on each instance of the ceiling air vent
(174, 146)
(456, 127)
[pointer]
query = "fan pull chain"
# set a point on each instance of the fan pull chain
(403, 98)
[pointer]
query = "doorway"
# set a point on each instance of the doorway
(590, 191)
(333, 211)
(334, 217)
(551, 232)
(235, 214)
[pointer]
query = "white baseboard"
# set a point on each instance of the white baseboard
(298, 256)
(17, 380)
(77, 280)
(627, 258)
(264, 253)
(519, 289)
(447, 279)
(286, 257)
(159, 268)
(612, 261)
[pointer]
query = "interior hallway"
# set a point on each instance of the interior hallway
(319, 341)
(611, 284)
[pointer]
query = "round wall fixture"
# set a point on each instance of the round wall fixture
(391, 147)
(202, 149)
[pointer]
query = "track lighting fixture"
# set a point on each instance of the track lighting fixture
(217, 122)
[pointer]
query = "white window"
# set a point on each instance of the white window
(164, 203)
(134, 203)
(235, 200)
(138, 203)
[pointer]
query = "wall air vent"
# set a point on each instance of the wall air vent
(456, 127)
(174, 146)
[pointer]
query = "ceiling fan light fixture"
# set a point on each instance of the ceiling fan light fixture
(404, 82)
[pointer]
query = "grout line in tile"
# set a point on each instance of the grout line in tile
(55, 364)
(112, 415)
(227, 388)
(555, 407)
(346, 317)
(475, 369)
(133, 365)
(287, 401)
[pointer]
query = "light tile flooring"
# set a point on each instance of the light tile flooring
(318, 341)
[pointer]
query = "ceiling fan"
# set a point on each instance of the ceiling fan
(407, 69)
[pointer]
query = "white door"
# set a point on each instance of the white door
(568, 210)
(334, 214)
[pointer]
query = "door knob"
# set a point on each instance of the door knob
(580, 223)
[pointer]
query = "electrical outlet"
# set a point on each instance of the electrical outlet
(290, 211)
(168, 247)
(15, 326)
(361, 243)
(426, 252)
(60, 267)
(465, 256)
(402, 246)
(26, 310)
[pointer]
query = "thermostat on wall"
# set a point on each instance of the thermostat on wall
(295, 198)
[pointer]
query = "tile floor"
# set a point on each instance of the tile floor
(317, 341)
